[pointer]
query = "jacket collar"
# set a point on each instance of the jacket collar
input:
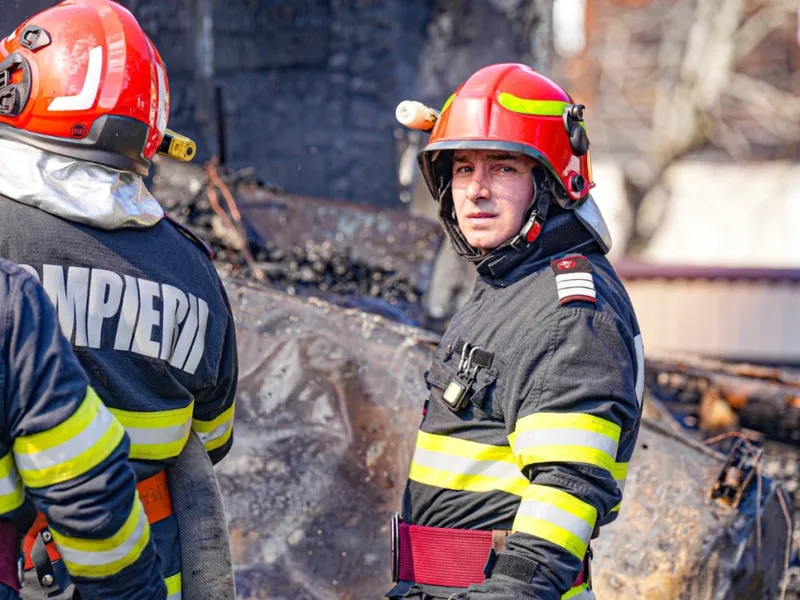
(562, 234)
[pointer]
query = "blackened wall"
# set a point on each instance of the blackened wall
(309, 86)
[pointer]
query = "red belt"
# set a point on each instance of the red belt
(447, 557)
(157, 503)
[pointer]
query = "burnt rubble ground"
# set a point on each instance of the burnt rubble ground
(682, 394)
(306, 267)
(782, 464)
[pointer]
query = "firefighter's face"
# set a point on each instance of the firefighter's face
(491, 192)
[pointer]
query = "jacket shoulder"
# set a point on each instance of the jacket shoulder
(190, 235)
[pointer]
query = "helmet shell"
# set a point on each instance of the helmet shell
(512, 107)
(87, 83)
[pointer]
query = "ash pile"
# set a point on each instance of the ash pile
(355, 256)
(718, 402)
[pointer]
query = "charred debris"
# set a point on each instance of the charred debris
(351, 255)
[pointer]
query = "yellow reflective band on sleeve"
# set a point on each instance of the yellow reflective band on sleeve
(542, 108)
(101, 558)
(565, 437)
(581, 592)
(11, 493)
(173, 587)
(620, 474)
(156, 435)
(71, 448)
(463, 448)
(557, 517)
(446, 462)
(217, 432)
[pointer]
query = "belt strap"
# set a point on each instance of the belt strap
(40, 557)
(455, 558)
(39, 525)
(154, 493)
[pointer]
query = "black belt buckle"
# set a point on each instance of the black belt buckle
(395, 540)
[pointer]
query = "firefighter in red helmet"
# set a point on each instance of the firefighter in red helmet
(536, 387)
(84, 106)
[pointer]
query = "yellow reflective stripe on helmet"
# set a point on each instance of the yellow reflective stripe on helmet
(156, 435)
(11, 493)
(565, 437)
(101, 558)
(455, 464)
(447, 104)
(217, 432)
(542, 108)
(71, 448)
(557, 517)
(620, 475)
(173, 587)
(580, 592)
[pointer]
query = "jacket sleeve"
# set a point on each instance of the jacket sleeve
(71, 456)
(573, 404)
(215, 403)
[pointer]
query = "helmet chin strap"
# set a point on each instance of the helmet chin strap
(449, 222)
(535, 217)
(536, 213)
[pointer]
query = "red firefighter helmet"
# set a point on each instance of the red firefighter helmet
(82, 79)
(512, 107)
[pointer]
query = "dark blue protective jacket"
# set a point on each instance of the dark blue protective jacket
(62, 451)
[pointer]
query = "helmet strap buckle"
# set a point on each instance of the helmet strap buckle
(532, 228)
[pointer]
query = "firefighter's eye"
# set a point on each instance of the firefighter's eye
(464, 169)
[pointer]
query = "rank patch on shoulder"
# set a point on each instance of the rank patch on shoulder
(574, 279)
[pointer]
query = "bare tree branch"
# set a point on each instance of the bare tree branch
(682, 111)
(731, 139)
(695, 71)
(765, 95)
(759, 25)
(775, 110)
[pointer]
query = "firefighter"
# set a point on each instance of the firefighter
(536, 387)
(61, 445)
(84, 105)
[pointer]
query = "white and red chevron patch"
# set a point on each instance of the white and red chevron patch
(574, 279)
